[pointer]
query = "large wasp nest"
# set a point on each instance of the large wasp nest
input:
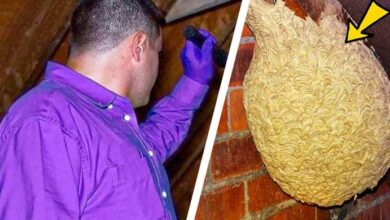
(317, 108)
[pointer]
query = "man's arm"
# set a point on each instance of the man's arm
(39, 172)
(169, 121)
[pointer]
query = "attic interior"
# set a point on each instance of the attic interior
(35, 31)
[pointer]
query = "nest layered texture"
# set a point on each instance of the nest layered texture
(317, 108)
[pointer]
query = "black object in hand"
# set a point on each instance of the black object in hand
(192, 34)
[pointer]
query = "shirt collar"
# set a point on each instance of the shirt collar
(97, 93)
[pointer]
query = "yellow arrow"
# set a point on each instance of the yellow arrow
(373, 14)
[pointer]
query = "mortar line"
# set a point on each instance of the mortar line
(247, 40)
(246, 197)
(234, 180)
(235, 88)
(381, 211)
(362, 207)
(229, 135)
(228, 110)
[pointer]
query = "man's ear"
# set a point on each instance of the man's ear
(138, 45)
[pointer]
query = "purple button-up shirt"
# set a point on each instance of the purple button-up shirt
(72, 149)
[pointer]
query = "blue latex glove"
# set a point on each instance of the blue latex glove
(198, 64)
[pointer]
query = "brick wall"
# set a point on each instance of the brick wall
(373, 204)
(238, 186)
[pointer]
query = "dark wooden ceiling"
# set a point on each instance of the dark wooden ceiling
(31, 30)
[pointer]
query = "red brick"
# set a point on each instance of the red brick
(223, 123)
(323, 213)
(386, 210)
(243, 59)
(381, 189)
(246, 32)
(264, 192)
(238, 120)
(226, 203)
(200, 214)
(373, 213)
(235, 157)
(307, 211)
(297, 212)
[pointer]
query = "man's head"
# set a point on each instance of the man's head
(126, 33)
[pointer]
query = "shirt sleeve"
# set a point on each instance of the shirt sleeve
(169, 120)
(39, 172)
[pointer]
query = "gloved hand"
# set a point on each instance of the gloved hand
(198, 64)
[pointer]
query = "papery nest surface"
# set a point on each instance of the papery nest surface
(317, 108)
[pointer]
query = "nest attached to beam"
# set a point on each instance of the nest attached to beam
(317, 108)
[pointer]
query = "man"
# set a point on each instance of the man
(71, 148)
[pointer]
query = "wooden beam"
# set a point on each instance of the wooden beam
(164, 5)
(184, 8)
(319, 8)
(8, 9)
(29, 39)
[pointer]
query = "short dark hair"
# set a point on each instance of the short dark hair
(101, 25)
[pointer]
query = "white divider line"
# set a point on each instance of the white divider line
(218, 110)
